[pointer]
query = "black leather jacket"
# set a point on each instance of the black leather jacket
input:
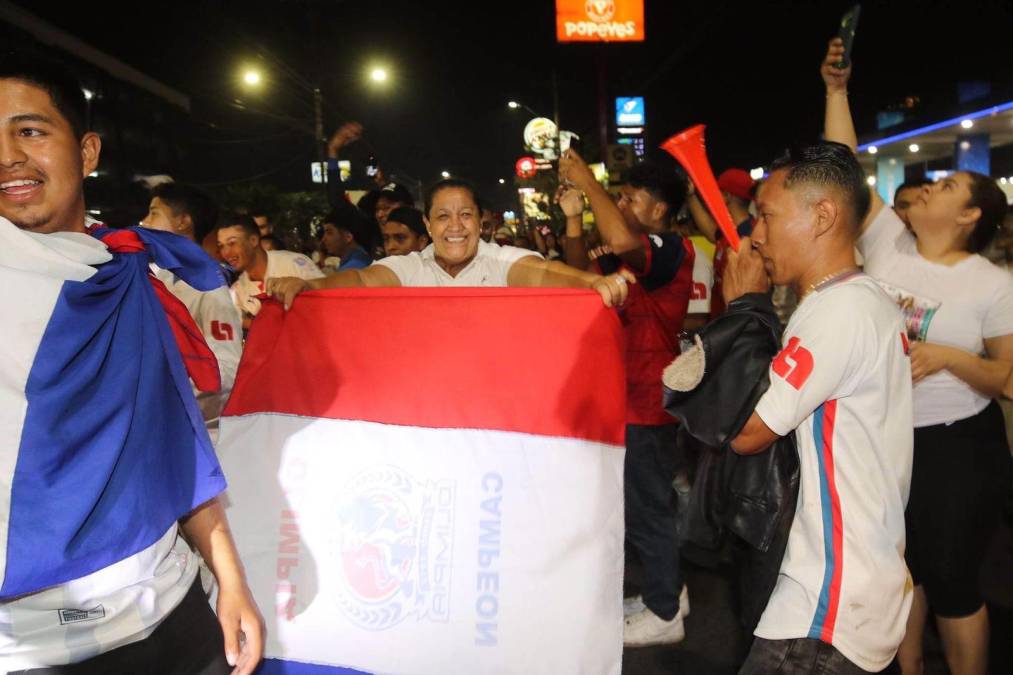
(748, 497)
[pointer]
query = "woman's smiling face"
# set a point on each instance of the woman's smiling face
(454, 227)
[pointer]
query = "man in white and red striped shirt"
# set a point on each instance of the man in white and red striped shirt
(843, 385)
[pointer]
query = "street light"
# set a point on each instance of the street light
(378, 74)
(445, 174)
(514, 105)
(502, 181)
(252, 78)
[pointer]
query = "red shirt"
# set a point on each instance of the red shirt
(652, 318)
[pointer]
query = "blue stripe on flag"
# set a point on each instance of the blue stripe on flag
(828, 528)
(285, 667)
(113, 449)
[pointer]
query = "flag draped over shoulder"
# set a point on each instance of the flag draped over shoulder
(430, 480)
(102, 445)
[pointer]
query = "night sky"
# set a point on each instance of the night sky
(748, 71)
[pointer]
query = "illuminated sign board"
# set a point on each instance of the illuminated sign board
(630, 111)
(600, 20)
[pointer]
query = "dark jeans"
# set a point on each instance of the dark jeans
(188, 642)
(651, 514)
(801, 656)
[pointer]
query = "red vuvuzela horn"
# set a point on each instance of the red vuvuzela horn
(688, 147)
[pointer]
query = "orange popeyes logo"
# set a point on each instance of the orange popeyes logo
(600, 20)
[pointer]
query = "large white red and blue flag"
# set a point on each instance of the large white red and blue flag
(103, 447)
(430, 481)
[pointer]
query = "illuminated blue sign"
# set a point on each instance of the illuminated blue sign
(630, 111)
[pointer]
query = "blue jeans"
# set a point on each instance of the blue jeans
(801, 656)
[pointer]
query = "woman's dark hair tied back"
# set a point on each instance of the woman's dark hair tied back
(989, 197)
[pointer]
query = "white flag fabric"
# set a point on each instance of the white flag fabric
(430, 481)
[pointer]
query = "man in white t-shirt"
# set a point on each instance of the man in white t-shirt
(239, 244)
(143, 611)
(191, 213)
(843, 385)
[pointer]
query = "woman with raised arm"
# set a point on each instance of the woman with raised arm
(958, 308)
(457, 256)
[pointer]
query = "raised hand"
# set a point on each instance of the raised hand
(835, 78)
(570, 200)
(575, 171)
(744, 272)
(347, 133)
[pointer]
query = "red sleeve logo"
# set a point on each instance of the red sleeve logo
(794, 364)
(699, 291)
(221, 331)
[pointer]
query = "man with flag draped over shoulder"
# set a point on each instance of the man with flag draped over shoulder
(104, 460)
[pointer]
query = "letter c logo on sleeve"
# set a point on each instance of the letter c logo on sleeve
(794, 364)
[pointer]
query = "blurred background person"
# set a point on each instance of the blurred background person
(636, 236)
(404, 232)
(342, 237)
(269, 242)
(191, 213)
(239, 244)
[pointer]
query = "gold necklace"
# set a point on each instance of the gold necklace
(828, 279)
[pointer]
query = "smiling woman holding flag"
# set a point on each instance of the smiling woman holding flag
(459, 257)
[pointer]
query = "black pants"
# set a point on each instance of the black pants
(651, 513)
(801, 656)
(188, 642)
(960, 480)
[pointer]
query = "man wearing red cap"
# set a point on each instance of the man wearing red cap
(737, 190)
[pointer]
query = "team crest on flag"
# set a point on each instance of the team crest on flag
(394, 547)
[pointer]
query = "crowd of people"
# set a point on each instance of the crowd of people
(897, 347)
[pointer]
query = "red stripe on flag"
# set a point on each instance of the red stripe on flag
(541, 361)
(838, 524)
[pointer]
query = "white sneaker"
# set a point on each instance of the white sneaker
(635, 604)
(647, 628)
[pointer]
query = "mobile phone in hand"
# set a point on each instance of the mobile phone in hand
(371, 166)
(849, 23)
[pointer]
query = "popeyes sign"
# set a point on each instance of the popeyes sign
(600, 20)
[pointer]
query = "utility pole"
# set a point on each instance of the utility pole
(318, 135)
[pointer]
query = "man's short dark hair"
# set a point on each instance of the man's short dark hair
(410, 218)
(828, 164)
(240, 220)
(64, 90)
(201, 208)
(662, 183)
(350, 221)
